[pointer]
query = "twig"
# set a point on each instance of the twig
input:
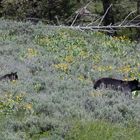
(127, 17)
(87, 4)
(58, 22)
(104, 14)
(79, 11)
(137, 23)
(94, 21)
(133, 19)
(75, 18)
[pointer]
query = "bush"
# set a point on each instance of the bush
(101, 130)
(37, 10)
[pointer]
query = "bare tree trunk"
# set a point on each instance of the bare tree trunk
(50, 6)
(109, 19)
(0, 8)
(138, 6)
(138, 12)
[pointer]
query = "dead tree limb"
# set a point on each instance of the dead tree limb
(104, 15)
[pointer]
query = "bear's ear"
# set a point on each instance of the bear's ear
(15, 73)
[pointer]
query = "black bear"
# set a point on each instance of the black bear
(12, 76)
(118, 85)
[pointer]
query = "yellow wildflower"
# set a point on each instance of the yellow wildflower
(125, 69)
(31, 52)
(121, 38)
(69, 59)
(96, 94)
(28, 106)
(83, 54)
(62, 66)
(81, 78)
(19, 98)
(44, 40)
(103, 68)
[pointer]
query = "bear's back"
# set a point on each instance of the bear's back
(108, 83)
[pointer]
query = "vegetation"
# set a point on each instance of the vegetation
(50, 10)
(54, 94)
(65, 12)
(100, 130)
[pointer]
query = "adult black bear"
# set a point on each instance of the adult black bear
(118, 85)
(12, 76)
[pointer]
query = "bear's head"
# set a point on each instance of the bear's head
(13, 76)
(135, 85)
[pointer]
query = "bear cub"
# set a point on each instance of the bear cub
(12, 76)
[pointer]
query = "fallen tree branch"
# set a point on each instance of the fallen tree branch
(110, 28)
(96, 24)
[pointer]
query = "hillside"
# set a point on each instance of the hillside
(54, 97)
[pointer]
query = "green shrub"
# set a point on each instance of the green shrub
(101, 130)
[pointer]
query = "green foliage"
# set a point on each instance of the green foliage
(100, 130)
(21, 7)
(20, 10)
(63, 12)
(55, 68)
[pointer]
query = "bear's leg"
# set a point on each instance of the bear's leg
(128, 94)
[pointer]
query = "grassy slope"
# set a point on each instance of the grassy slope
(54, 90)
